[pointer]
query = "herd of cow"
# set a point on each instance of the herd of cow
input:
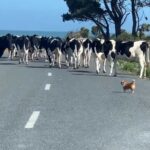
(74, 49)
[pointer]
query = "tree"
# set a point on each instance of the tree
(84, 32)
(83, 10)
(144, 28)
(95, 31)
(117, 13)
(106, 12)
(136, 6)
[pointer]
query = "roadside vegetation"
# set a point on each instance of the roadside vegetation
(131, 66)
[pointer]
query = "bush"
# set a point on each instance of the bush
(132, 67)
(148, 73)
(128, 66)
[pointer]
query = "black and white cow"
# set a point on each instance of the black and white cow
(87, 51)
(8, 41)
(73, 51)
(53, 49)
(23, 45)
(35, 44)
(55, 45)
(138, 49)
(131, 49)
(99, 54)
(3, 44)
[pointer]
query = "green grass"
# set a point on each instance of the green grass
(131, 67)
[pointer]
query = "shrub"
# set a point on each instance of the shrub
(148, 73)
(132, 67)
(128, 66)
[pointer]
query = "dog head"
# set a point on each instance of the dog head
(123, 82)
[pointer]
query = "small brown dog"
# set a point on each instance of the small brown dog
(128, 85)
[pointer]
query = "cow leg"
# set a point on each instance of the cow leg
(84, 58)
(32, 56)
(27, 56)
(9, 55)
(89, 58)
(59, 58)
(53, 59)
(111, 67)
(14, 51)
(97, 65)
(75, 61)
(84, 61)
(20, 55)
(113, 63)
(49, 58)
(142, 66)
(78, 61)
(104, 66)
(71, 60)
(67, 60)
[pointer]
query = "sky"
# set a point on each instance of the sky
(40, 15)
(37, 15)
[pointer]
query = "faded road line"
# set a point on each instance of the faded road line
(47, 87)
(49, 74)
(32, 120)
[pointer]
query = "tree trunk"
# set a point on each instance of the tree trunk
(117, 28)
(134, 18)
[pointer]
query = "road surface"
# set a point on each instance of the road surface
(44, 108)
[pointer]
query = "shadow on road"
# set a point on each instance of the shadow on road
(7, 63)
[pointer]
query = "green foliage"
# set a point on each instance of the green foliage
(95, 30)
(84, 32)
(131, 67)
(128, 66)
(148, 72)
(147, 38)
(81, 9)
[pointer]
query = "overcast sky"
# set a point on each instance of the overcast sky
(41, 15)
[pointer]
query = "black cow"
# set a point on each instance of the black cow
(53, 49)
(35, 45)
(8, 41)
(73, 50)
(23, 45)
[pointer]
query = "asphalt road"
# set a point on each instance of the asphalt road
(45, 108)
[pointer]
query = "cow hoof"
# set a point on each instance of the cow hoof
(97, 72)
(104, 71)
(140, 77)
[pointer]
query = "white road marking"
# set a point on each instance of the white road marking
(32, 120)
(49, 74)
(47, 87)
